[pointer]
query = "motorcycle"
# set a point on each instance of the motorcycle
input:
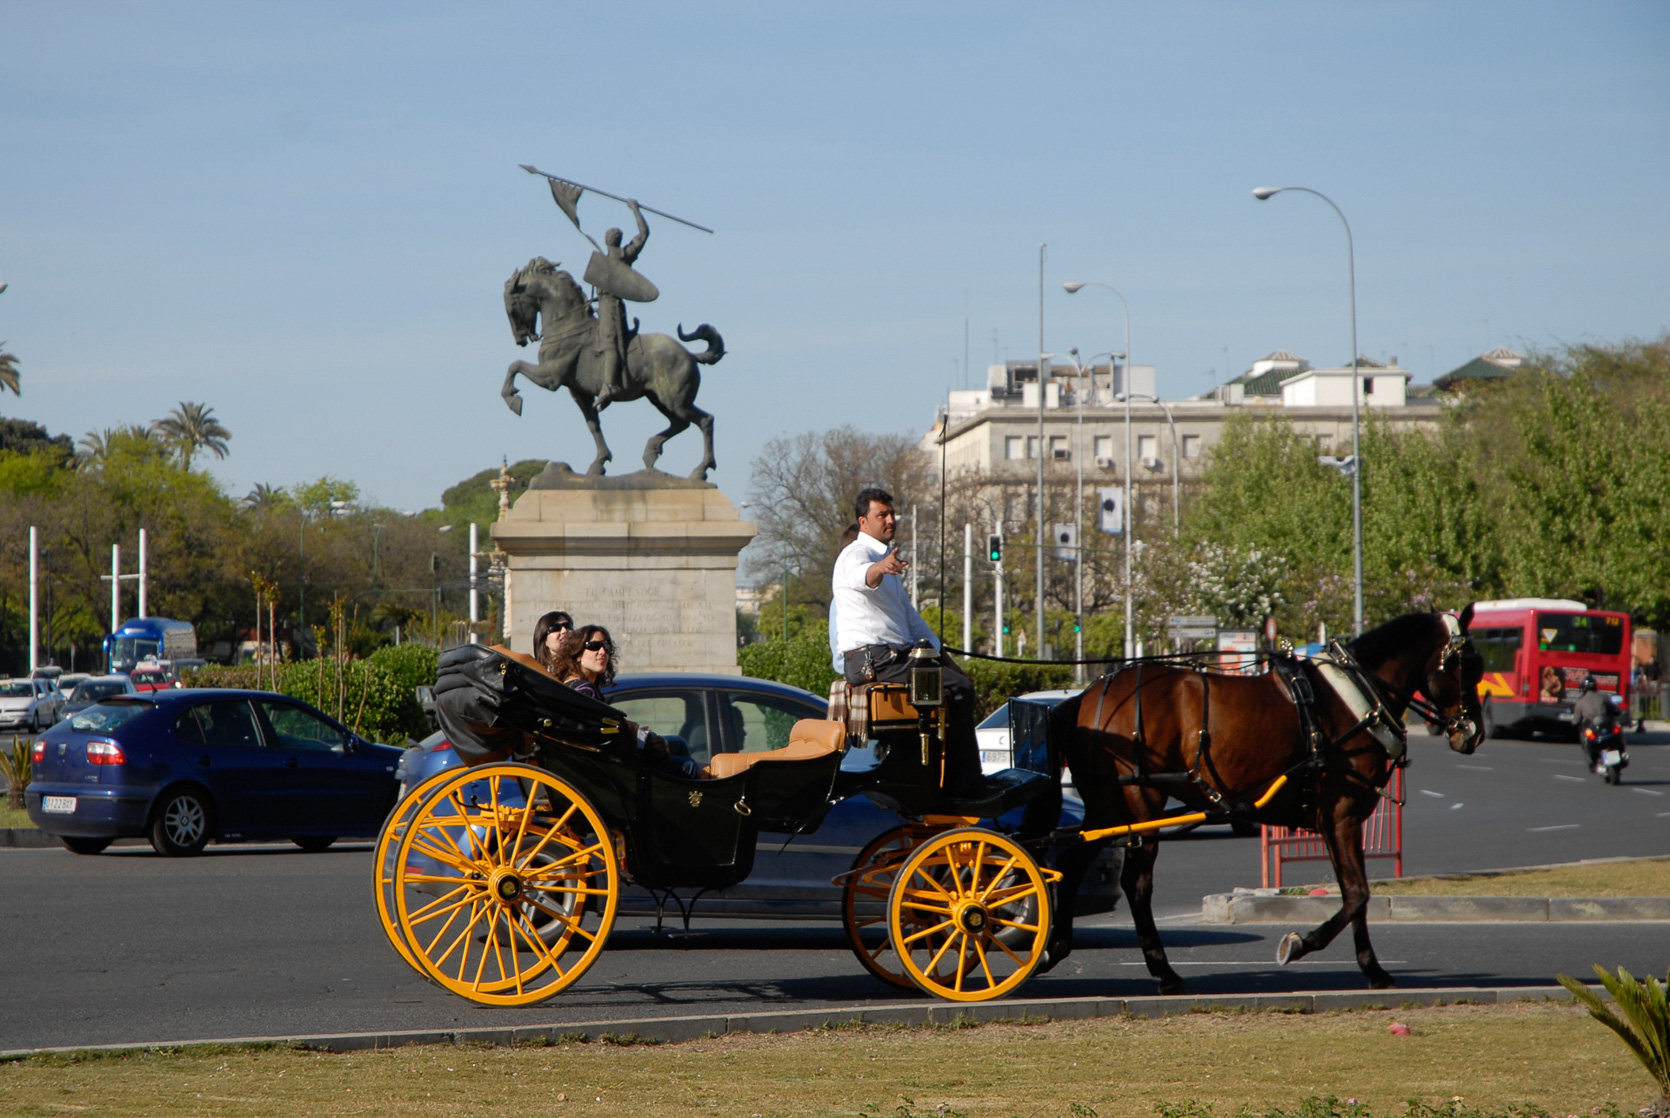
(1605, 746)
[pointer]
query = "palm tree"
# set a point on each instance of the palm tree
(8, 371)
(264, 497)
(93, 448)
(191, 427)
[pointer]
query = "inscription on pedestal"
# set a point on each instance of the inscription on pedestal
(657, 568)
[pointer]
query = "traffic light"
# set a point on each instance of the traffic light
(994, 547)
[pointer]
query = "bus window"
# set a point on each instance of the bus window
(1498, 647)
(1577, 632)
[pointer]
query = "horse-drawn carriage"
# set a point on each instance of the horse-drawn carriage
(501, 881)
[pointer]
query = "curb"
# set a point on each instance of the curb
(671, 1030)
(1267, 908)
(25, 837)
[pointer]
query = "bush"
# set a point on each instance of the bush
(802, 661)
(413, 665)
(374, 704)
(240, 677)
(995, 683)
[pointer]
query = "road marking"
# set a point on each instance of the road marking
(1563, 776)
(1647, 791)
(1454, 806)
(1557, 827)
(1430, 792)
(1662, 815)
(1478, 768)
(1244, 962)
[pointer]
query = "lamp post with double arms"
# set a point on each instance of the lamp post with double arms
(1264, 193)
(1073, 289)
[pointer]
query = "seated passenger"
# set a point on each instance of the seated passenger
(547, 631)
(585, 660)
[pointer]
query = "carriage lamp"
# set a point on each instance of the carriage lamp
(927, 677)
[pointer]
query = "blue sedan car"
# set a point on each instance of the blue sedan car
(183, 767)
(792, 873)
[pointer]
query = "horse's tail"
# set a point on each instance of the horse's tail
(705, 333)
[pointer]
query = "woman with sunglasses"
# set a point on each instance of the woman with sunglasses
(585, 661)
(548, 631)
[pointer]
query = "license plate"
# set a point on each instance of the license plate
(1610, 757)
(1567, 716)
(58, 805)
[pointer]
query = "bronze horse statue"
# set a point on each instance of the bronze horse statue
(544, 302)
(1217, 742)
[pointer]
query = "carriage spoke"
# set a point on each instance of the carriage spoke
(452, 915)
(933, 963)
(491, 943)
(1002, 898)
(986, 896)
(421, 845)
(439, 905)
(925, 932)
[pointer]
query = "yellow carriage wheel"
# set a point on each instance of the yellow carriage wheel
(969, 915)
(384, 866)
(507, 884)
(864, 893)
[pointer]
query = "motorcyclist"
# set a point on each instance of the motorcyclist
(1592, 710)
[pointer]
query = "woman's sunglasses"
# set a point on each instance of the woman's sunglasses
(595, 646)
(561, 625)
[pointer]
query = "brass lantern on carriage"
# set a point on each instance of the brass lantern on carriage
(927, 677)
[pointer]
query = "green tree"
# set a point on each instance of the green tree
(193, 427)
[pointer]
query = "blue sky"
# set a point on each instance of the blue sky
(303, 214)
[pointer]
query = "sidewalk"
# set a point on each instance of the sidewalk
(1269, 906)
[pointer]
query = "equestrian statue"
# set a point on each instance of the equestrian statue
(595, 355)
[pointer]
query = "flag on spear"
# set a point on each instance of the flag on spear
(567, 197)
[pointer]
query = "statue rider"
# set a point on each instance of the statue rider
(613, 336)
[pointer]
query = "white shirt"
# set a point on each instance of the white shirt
(866, 615)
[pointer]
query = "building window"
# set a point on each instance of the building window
(1148, 446)
(1104, 446)
(1032, 446)
(1058, 446)
(1191, 446)
(1368, 386)
(1013, 447)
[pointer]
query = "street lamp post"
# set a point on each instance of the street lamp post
(1130, 627)
(1264, 193)
(1176, 463)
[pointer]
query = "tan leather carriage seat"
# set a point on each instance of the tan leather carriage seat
(809, 738)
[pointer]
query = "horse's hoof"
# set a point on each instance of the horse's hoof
(514, 402)
(1380, 980)
(1290, 948)
(1172, 986)
(1053, 954)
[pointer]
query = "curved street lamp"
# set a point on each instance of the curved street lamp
(1073, 289)
(1264, 193)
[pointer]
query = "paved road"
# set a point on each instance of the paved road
(247, 941)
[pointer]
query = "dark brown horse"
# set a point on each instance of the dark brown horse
(1136, 738)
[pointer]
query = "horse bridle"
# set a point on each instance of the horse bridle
(1458, 648)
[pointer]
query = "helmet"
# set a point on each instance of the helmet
(1588, 683)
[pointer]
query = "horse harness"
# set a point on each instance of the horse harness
(1360, 691)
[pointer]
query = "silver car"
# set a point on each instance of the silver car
(29, 704)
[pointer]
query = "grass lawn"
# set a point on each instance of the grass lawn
(1640, 877)
(13, 817)
(1548, 1055)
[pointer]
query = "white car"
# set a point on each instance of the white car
(32, 704)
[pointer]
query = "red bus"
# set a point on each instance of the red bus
(1536, 653)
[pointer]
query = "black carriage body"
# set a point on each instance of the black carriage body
(677, 832)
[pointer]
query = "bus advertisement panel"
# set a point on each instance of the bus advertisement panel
(1537, 652)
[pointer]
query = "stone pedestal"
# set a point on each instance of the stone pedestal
(649, 557)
